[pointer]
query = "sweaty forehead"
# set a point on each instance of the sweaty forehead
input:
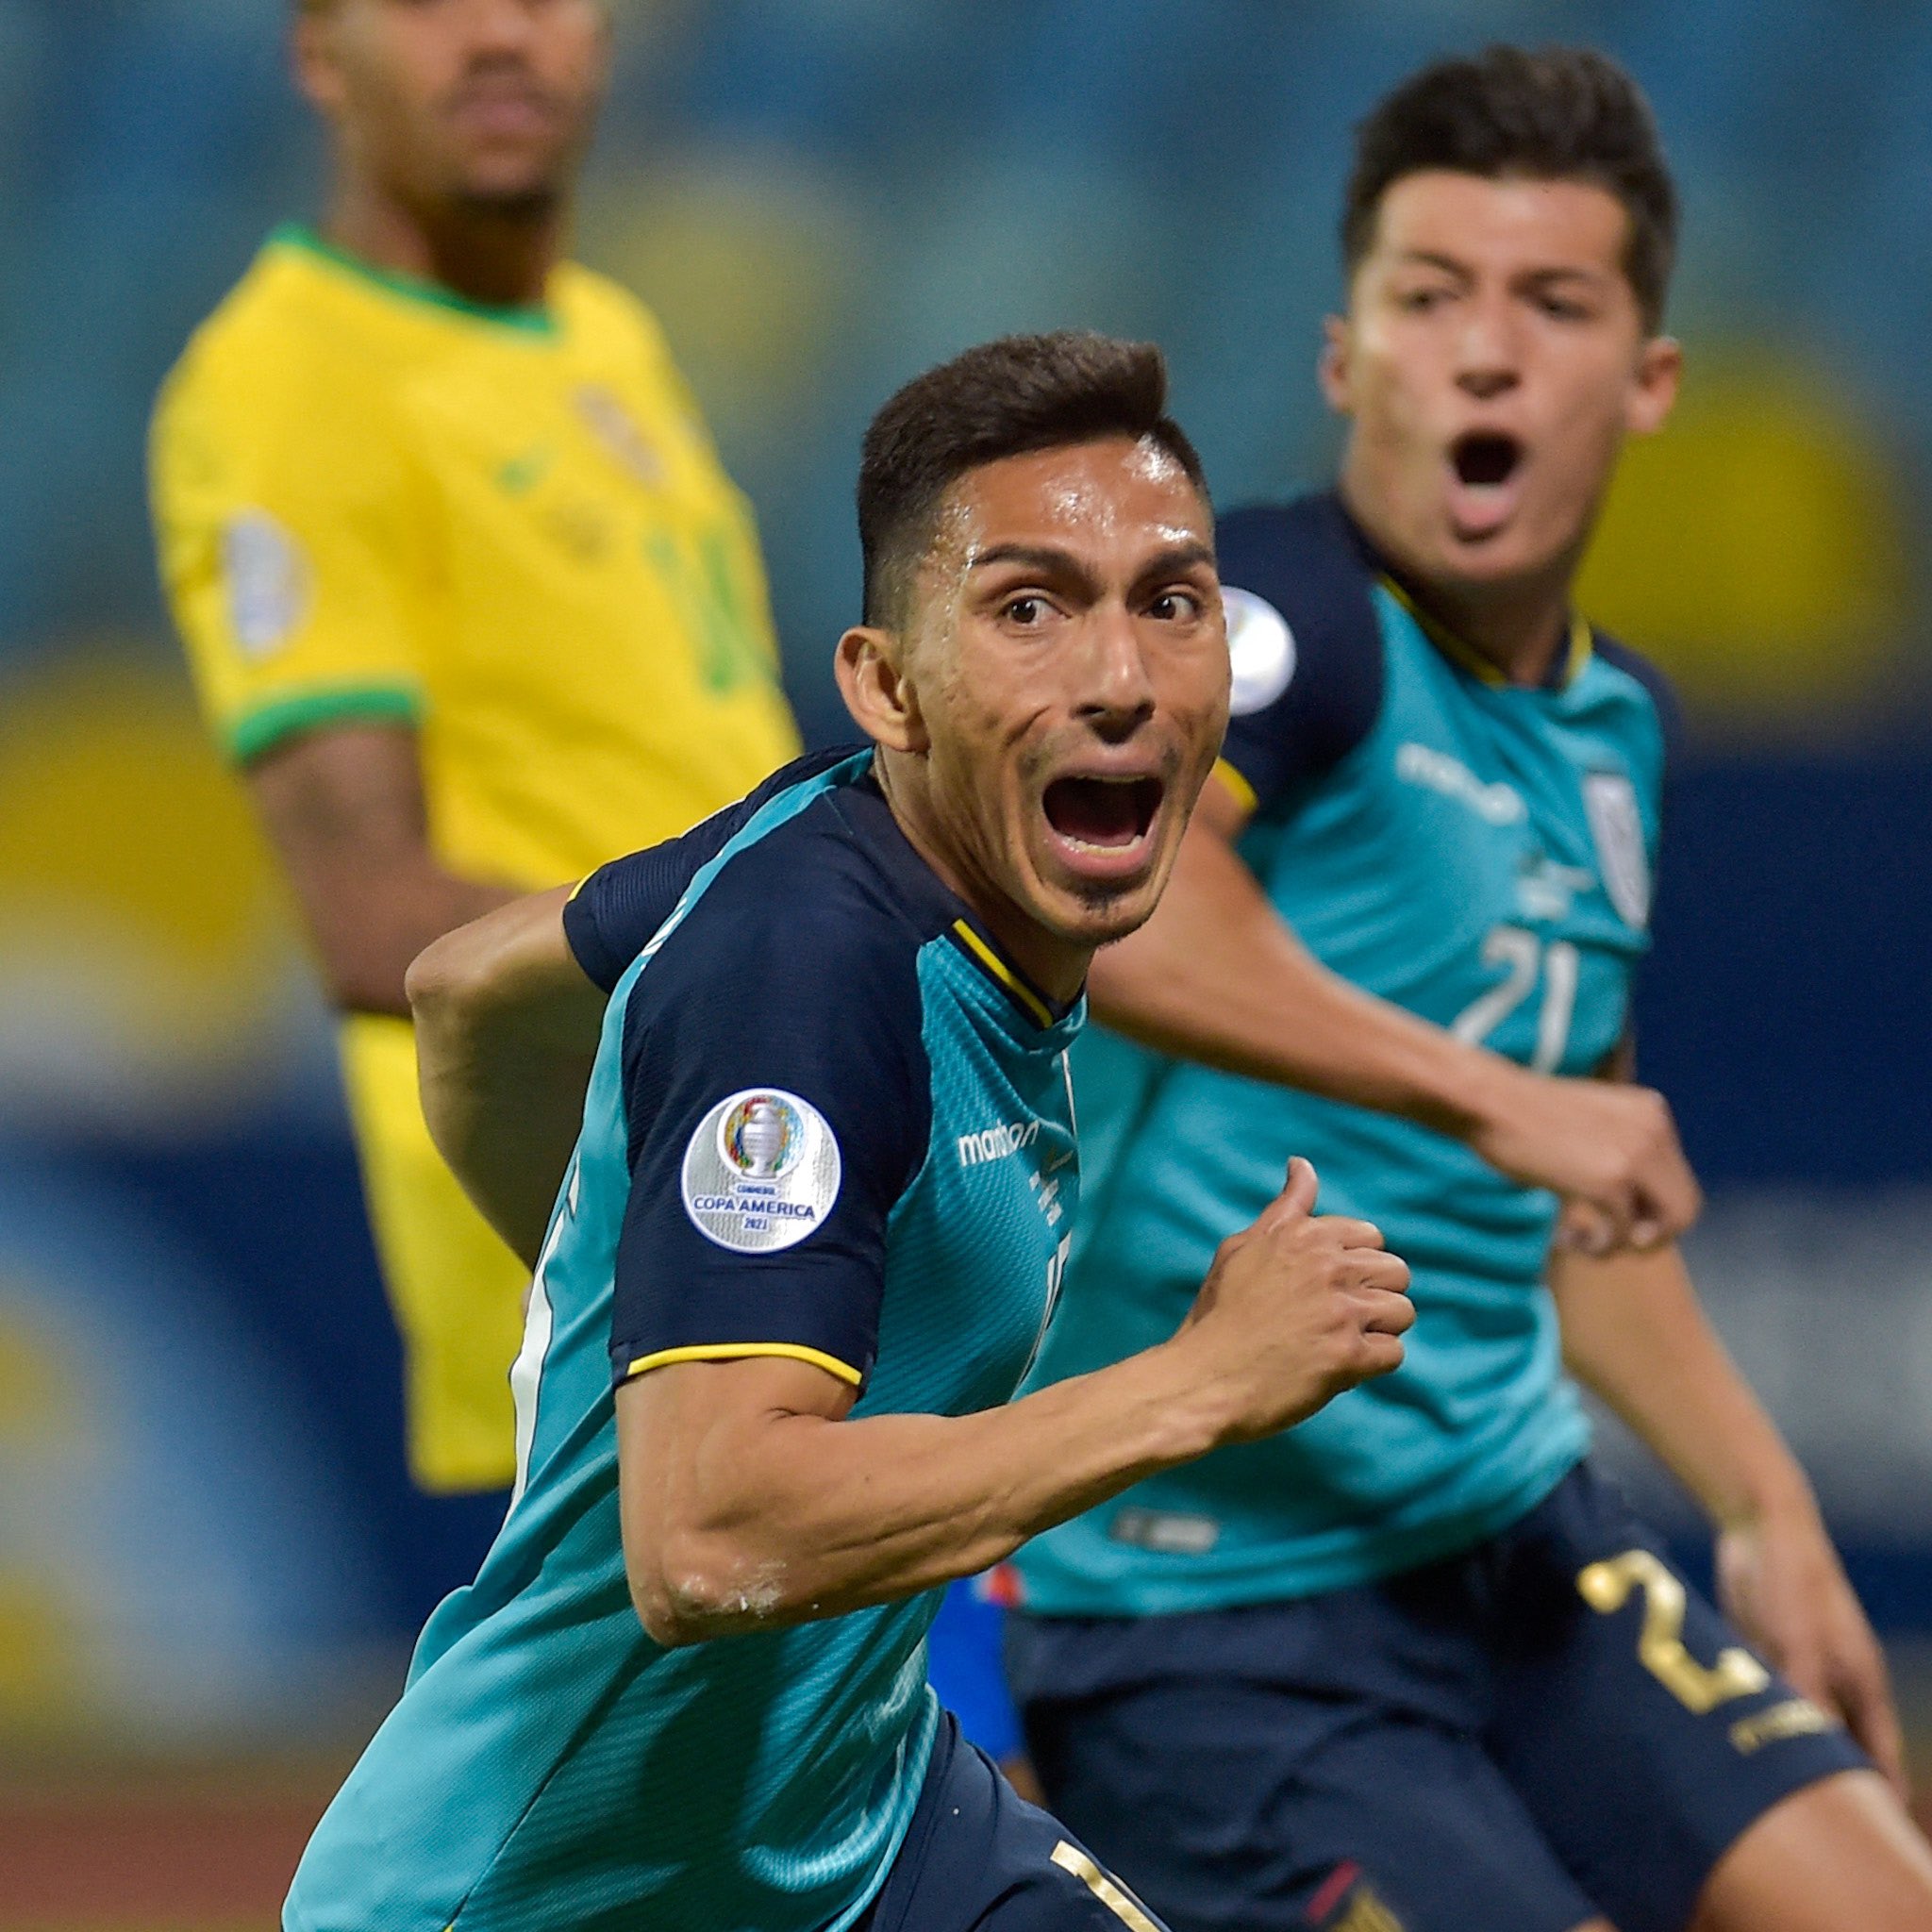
(1087, 496)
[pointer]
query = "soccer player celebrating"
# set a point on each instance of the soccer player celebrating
(467, 595)
(1413, 1664)
(814, 1225)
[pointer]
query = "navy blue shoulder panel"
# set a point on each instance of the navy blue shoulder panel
(1308, 564)
(1663, 696)
(615, 912)
(791, 986)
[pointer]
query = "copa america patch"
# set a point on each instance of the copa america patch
(761, 1171)
(1261, 652)
(267, 579)
(1609, 799)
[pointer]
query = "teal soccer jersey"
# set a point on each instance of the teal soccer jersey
(1480, 854)
(827, 1120)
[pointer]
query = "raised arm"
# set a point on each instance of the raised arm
(1634, 1333)
(1216, 976)
(749, 1501)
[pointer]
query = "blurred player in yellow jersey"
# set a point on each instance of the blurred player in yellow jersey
(467, 595)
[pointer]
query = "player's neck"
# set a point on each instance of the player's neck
(1056, 966)
(1519, 625)
(500, 258)
(1520, 630)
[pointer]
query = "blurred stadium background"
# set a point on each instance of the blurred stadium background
(210, 1565)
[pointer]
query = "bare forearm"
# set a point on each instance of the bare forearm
(750, 1498)
(375, 928)
(505, 1032)
(345, 810)
(1216, 976)
(802, 1517)
(1634, 1333)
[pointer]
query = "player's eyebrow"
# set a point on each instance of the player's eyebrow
(1051, 564)
(1041, 556)
(1429, 258)
(1546, 272)
(1177, 560)
(1565, 272)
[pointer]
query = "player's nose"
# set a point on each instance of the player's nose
(1116, 689)
(1487, 361)
(497, 26)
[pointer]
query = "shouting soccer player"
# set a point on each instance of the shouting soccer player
(467, 595)
(1414, 1664)
(813, 1228)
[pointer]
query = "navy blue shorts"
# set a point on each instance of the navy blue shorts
(978, 1858)
(1545, 1729)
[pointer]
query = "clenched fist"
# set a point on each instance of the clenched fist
(1296, 1309)
(1609, 1149)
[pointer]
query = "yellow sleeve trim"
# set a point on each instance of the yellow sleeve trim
(737, 1351)
(1244, 794)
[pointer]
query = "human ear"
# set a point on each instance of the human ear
(877, 691)
(314, 58)
(1654, 391)
(1332, 369)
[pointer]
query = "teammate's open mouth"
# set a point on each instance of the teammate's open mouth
(1484, 460)
(1107, 813)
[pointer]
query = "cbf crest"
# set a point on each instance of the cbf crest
(761, 1171)
(1609, 799)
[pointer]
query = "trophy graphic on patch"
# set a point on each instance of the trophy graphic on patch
(760, 1134)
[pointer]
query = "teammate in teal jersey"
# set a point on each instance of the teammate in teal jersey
(1412, 1663)
(813, 1226)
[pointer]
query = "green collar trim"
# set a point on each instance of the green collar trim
(536, 320)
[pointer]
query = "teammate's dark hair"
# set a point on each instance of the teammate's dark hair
(1555, 114)
(1007, 398)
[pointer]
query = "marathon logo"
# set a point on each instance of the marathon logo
(998, 1143)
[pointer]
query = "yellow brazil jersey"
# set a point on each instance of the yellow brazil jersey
(508, 528)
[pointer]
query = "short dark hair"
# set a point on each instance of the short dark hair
(1553, 114)
(1007, 398)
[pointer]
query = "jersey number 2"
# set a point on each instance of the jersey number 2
(1524, 958)
(1605, 1587)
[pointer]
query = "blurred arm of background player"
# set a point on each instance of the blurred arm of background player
(507, 1025)
(1216, 976)
(1634, 1333)
(344, 810)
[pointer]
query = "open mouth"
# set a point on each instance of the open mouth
(496, 109)
(1485, 461)
(1104, 814)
